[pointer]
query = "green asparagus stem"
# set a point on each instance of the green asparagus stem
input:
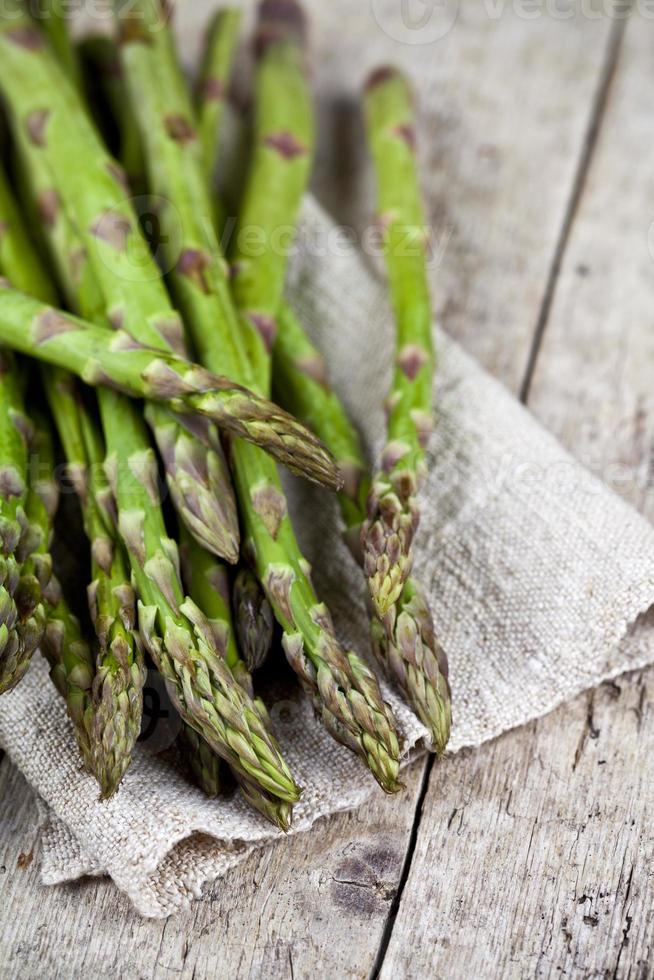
(45, 108)
(277, 176)
(201, 761)
(117, 698)
(207, 583)
(403, 639)
(253, 618)
(62, 644)
(71, 670)
(22, 539)
(213, 83)
(300, 379)
(19, 260)
(23, 572)
(117, 360)
(392, 508)
(344, 691)
(53, 22)
(101, 60)
(177, 635)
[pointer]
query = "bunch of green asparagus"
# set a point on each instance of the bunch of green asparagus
(143, 361)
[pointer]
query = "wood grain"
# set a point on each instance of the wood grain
(593, 380)
(506, 108)
(315, 902)
(534, 852)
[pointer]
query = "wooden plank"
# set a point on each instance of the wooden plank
(505, 108)
(315, 902)
(534, 853)
(544, 838)
(593, 379)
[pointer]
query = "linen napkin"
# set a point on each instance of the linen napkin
(540, 580)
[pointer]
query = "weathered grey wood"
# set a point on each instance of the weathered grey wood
(503, 161)
(593, 379)
(534, 852)
(545, 852)
(505, 108)
(312, 904)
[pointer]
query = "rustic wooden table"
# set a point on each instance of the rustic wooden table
(531, 856)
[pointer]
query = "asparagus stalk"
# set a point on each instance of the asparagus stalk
(202, 763)
(19, 260)
(101, 60)
(116, 360)
(53, 21)
(112, 717)
(47, 110)
(208, 585)
(22, 616)
(344, 691)
(403, 639)
(177, 635)
(62, 644)
(277, 175)
(117, 699)
(253, 618)
(392, 508)
(71, 670)
(213, 82)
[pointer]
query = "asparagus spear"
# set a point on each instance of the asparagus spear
(177, 635)
(101, 60)
(117, 700)
(53, 21)
(403, 639)
(62, 644)
(71, 670)
(344, 691)
(203, 764)
(253, 618)
(392, 508)
(22, 616)
(116, 360)
(208, 585)
(46, 108)
(277, 175)
(221, 41)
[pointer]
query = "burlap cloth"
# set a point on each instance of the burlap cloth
(540, 580)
